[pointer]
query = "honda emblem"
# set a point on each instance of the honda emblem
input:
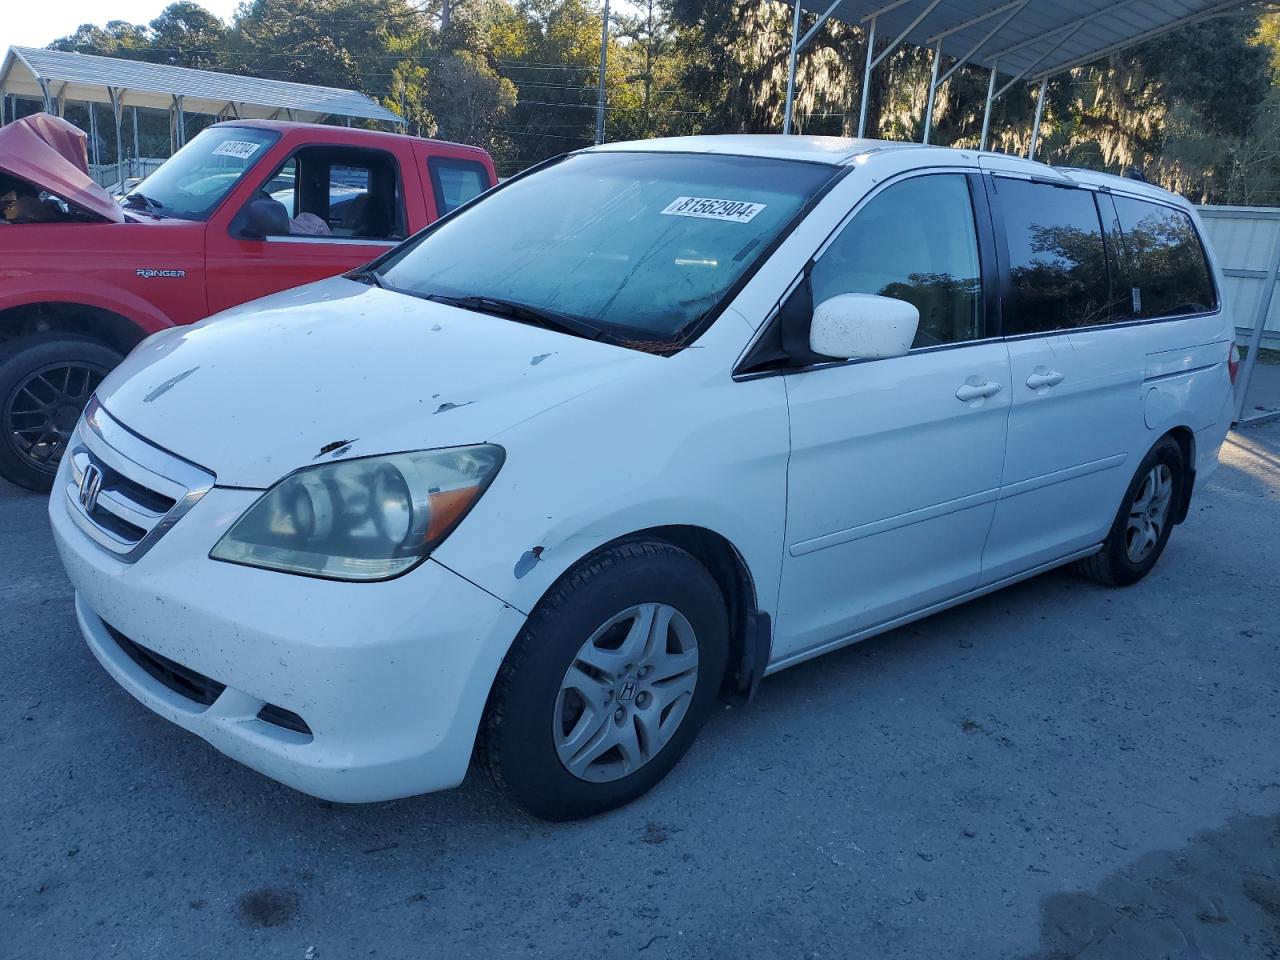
(90, 487)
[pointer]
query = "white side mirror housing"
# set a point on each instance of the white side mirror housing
(862, 326)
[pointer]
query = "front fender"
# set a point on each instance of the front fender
(527, 571)
(88, 292)
(676, 446)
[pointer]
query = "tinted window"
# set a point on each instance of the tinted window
(1057, 261)
(456, 181)
(1166, 265)
(914, 241)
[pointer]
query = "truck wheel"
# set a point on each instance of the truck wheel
(608, 682)
(45, 381)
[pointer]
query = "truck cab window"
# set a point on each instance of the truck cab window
(454, 182)
(340, 194)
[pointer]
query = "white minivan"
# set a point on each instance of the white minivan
(626, 434)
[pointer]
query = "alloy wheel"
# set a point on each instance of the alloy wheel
(42, 410)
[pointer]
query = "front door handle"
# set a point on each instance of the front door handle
(1043, 378)
(971, 390)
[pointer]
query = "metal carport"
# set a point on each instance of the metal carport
(54, 77)
(1015, 40)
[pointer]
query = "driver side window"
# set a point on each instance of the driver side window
(914, 241)
(340, 194)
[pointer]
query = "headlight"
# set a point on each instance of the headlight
(365, 519)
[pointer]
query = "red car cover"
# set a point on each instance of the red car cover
(51, 154)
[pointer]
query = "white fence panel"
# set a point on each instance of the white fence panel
(1244, 240)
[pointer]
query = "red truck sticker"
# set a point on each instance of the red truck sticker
(240, 149)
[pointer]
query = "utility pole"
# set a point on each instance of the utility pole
(648, 74)
(444, 16)
(604, 63)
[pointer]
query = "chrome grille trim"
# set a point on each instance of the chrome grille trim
(136, 477)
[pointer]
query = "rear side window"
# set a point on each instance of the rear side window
(914, 241)
(1057, 259)
(456, 181)
(1165, 263)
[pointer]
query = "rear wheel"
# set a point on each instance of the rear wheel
(1144, 522)
(45, 381)
(608, 682)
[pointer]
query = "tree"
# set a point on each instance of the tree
(187, 35)
(469, 100)
(1180, 107)
(337, 43)
(646, 63)
(117, 39)
(550, 50)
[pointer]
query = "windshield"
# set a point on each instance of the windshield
(641, 244)
(191, 183)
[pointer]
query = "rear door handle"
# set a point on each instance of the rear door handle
(1044, 378)
(977, 391)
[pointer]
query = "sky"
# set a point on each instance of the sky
(29, 24)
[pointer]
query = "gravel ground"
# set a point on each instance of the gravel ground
(1055, 771)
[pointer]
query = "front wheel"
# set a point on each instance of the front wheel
(45, 381)
(1142, 527)
(608, 682)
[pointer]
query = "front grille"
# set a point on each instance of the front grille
(181, 680)
(123, 491)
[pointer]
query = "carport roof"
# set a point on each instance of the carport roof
(84, 77)
(1024, 38)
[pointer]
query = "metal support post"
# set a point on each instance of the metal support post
(791, 69)
(1035, 126)
(604, 63)
(986, 113)
(933, 92)
(866, 77)
(117, 114)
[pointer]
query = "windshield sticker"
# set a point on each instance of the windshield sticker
(240, 149)
(707, 208)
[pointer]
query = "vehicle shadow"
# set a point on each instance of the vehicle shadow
(1218, 896)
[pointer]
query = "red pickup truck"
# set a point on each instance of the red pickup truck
(247, 208)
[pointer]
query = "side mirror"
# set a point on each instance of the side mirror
(861, 326)
(264, 217)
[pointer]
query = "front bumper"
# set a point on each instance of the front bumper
(391, 678)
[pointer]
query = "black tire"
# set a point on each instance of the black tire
(1113, 566)
(517, 745)
(35, 368)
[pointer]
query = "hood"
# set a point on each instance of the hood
(50, 154)
(338, 369)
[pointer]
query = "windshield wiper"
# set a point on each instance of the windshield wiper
(524, 313)
(136, 199)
